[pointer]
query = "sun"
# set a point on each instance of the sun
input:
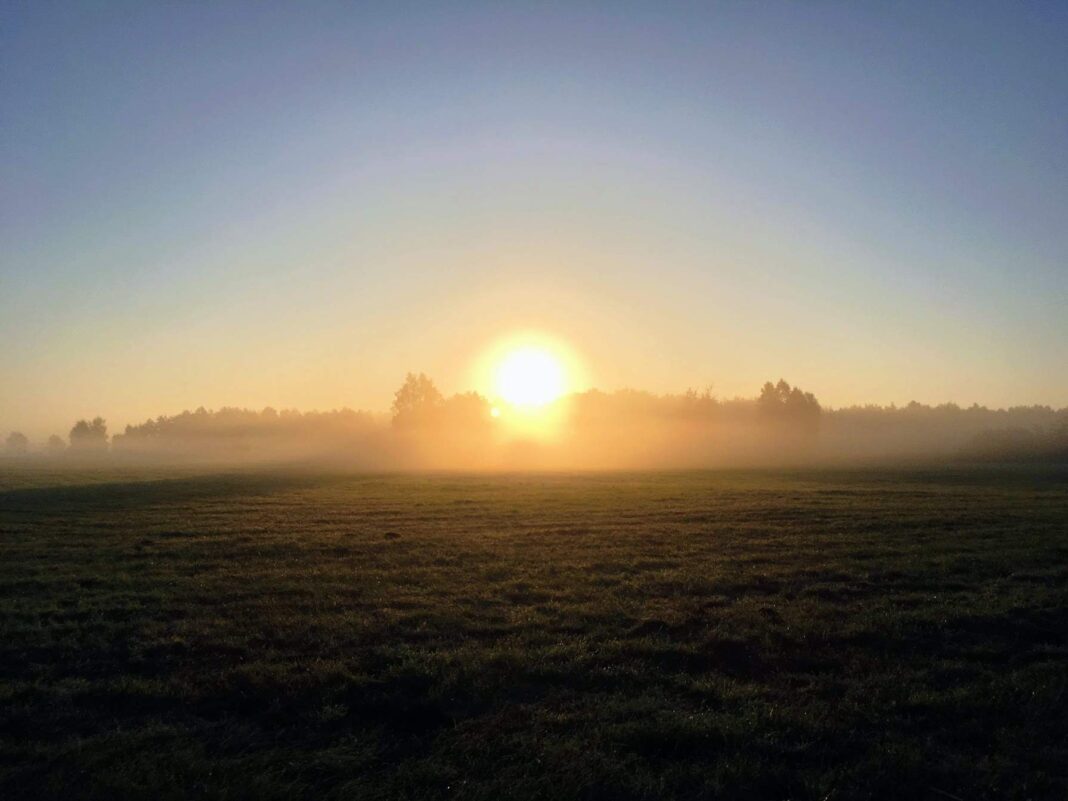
(530, 376)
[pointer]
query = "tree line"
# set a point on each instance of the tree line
(780, 419)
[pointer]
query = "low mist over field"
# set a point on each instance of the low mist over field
(627, 429)
(526, 401)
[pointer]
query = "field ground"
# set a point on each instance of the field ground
(751, 635)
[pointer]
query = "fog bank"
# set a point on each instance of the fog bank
(782, 425)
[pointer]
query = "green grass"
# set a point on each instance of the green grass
(802, 635)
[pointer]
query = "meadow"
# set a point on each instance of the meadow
(831, 634)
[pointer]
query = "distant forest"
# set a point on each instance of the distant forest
(625, 429)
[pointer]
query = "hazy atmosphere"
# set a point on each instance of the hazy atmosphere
(527, 401)
(251, 206)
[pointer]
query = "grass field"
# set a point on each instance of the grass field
(801, 635)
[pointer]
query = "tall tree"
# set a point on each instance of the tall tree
(89, 434)
(417, 402)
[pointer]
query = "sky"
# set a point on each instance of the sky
(265, 204)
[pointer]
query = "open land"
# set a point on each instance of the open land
(825, 634)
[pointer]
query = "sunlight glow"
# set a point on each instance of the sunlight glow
(530, 376)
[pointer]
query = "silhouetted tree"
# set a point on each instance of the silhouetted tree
(244, 433)
(56, 444)
(698, 405)
(417, 402)
(467, 411)
(770, 401)
(89, 435)
(16, 444)
(788, 405)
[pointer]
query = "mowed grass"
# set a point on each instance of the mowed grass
(801, 635)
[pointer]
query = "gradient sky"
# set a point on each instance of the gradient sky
(217, 204)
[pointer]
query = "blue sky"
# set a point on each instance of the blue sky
(258, 204)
